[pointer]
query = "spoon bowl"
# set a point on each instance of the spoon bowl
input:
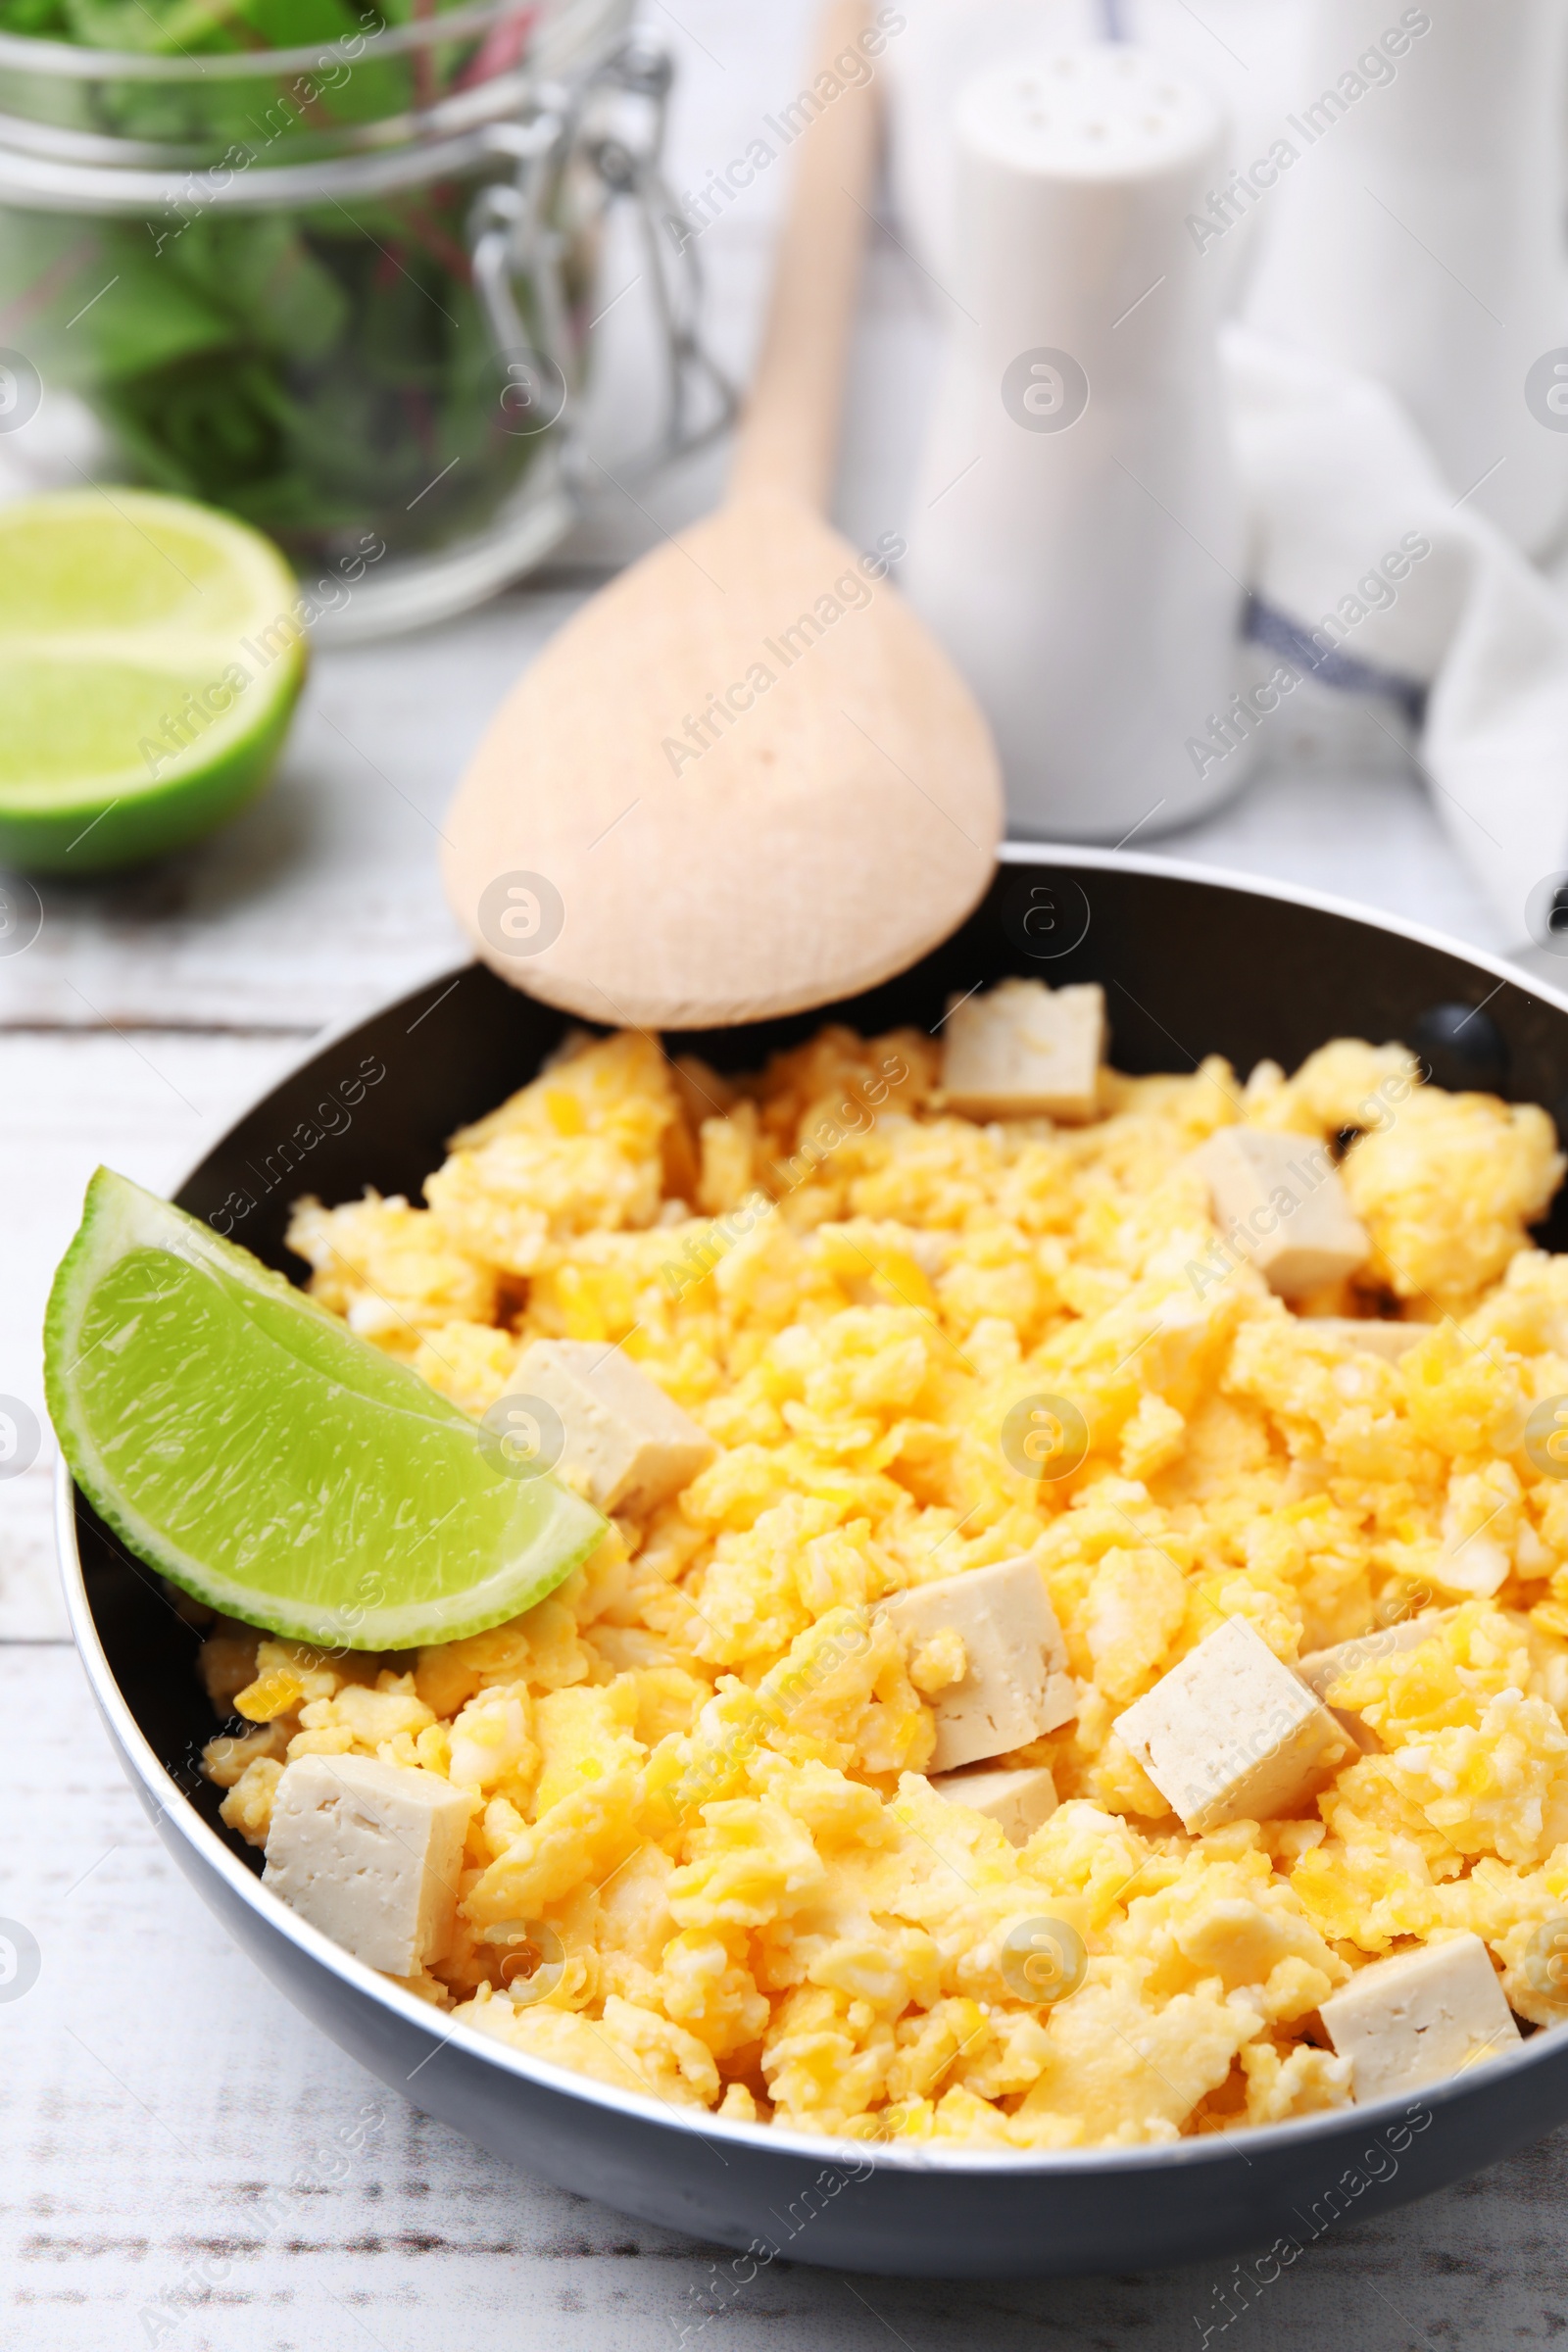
(747, 773)
(744, 779)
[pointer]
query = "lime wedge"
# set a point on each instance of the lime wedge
(151, 656)
(246, 1443)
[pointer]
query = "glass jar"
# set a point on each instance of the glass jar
(343, 291)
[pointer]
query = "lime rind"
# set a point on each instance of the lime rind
(248, 1445)
(145, 692)
(98, 830)
(151, 654)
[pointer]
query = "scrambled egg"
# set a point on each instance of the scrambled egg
(696, 1770)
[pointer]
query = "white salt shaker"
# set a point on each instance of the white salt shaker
(1076, 540)
(1418, 236)
(1244, 51)
(945, 45)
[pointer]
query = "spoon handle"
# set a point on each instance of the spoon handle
(788, 436)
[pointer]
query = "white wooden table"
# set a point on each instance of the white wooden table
(152, 2086)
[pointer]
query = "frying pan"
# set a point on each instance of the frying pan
(1193, 963)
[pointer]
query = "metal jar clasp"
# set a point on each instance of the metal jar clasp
(611, 124)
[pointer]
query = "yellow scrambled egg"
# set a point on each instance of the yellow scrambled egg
(696, 1770)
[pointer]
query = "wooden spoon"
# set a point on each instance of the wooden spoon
(743, 779)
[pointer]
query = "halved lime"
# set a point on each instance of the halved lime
(246, 1443)
(151, 654)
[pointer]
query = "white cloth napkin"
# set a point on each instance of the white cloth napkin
(1343, 494)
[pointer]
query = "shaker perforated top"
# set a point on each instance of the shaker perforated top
(1109, 112)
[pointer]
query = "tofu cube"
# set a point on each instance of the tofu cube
(1280, 1205)
(1017, 1801)
(1388, 1339)
(630, 1444)
(1015, 1686)
(1231, 1735)
(1417, 2016)
(370, 1853)
(1321, 1669)
(1023, 1050)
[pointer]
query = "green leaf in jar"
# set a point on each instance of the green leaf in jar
(158, 28)
(295, 24)
(41, 17)
(96, 301)
(217, 417)
(323, 370)
(260, 272)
